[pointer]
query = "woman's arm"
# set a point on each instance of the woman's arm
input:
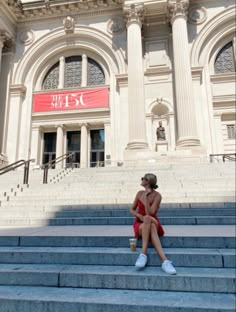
(151, 210)
(134, 207)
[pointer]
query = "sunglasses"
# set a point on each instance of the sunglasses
(144, 179)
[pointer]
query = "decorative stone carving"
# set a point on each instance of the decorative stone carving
(134, 13)
(197, 15)
(9, 45)
(177, 7)
(116, 25)
(69, 25)
(26, 37)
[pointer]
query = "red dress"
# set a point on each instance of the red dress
(138, 222)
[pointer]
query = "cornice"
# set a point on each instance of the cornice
(50, 10)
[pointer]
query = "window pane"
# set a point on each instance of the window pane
(97, 139)
(73, 71)
(50, 142)
(231, 131)
(51, 80)
(95, 73)
(225, 60)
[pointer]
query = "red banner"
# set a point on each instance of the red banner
(68, 100)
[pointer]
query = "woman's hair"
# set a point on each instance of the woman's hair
(152, 179)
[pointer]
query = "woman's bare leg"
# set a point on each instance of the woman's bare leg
(144, 232)
(156, 242)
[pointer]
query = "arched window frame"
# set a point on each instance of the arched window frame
(56, 58)
(220, 45)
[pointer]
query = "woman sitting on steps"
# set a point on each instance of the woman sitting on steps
(146, 224)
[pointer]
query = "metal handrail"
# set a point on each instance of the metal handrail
(229, 156)
(53, 162)
(18, 164)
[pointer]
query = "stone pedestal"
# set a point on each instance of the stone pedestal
(161, 146)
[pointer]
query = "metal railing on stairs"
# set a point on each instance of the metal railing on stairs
(51, 163)
(17, 164)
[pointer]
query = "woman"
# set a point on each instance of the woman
(146, 224)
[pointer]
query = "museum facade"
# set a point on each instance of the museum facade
(98, 78)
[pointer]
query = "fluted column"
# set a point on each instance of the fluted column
(84, 70)
(137, 123)
(187, 129)
(84, 146)
(2, 38)
(60, 144)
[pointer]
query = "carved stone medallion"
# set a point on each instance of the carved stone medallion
(197, 15)
(116, 25)
(26, 37)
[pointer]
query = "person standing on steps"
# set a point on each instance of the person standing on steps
(146, 224)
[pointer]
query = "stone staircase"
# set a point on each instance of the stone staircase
(90, 268)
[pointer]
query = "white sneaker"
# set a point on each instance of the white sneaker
(168, 267)
(141, 261)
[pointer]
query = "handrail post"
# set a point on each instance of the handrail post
(45, 175)
(26, 173)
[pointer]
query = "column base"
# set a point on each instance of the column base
(137, 145)
(187, 142)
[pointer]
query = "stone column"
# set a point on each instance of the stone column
(61, 73)
(218, 133)
(172, 139)
(84, 70)
(107, 149)
(1, 46)
(17, 94)
(60, 144)
(36, 144)
(84, 146)
(136, 103)
(187, 129)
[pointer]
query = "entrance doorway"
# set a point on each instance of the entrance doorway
(73, 146)
(49, 148)
(97, 148)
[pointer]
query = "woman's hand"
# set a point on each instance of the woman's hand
(139, 216)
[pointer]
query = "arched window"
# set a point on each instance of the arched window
(73, 73)
(51, 80)
(225, 61)
(95, 73)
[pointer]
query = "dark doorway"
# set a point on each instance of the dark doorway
(49, 148)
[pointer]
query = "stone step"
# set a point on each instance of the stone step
(42, 299)
(116, 256)
(43, 219)
(119, 277)
(41, 206)
(101, 212)
(90, 237)
(119, 199)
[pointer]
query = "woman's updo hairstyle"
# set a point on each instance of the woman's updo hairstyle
(152, 180)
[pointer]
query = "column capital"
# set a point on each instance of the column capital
(177, 8)
(134, 13)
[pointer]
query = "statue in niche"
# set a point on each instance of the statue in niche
(160, 132)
